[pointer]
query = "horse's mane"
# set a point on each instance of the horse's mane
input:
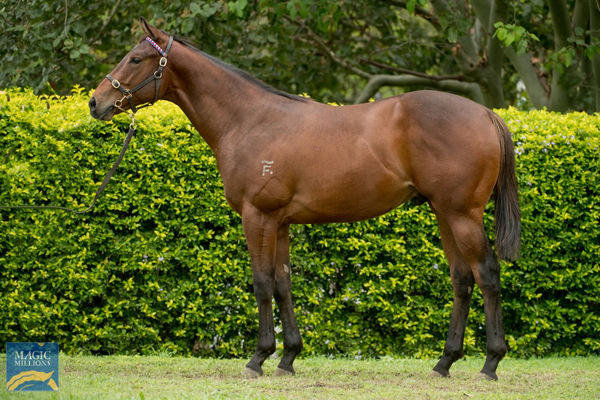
(240, 72)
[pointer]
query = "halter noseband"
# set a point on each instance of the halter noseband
(157, 75)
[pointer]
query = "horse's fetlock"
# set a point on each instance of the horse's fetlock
(454, 354)
(499, 350)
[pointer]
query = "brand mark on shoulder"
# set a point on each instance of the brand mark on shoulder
(266, 167)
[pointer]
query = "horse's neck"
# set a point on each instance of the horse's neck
(215, 99)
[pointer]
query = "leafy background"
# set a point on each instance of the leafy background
(527, 53)
(160, 264)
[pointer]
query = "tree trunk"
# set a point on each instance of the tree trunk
(595, 37)
(561, 93)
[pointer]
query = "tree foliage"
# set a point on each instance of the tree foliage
(531, 53)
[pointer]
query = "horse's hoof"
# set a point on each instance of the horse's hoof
(488, 376)
(249, 373)
(283, 372)
(437, 374)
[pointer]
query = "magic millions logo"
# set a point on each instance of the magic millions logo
(31, 367)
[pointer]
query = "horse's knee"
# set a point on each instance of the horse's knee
(490, 286)
(463, 294)
(462, 284)
(263, 287)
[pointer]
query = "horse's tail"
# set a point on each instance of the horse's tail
(506, 196)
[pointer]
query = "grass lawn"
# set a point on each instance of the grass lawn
(156, 377)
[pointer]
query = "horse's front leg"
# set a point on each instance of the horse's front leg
(292, 342)
(261, 238)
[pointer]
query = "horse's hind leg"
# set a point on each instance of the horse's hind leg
(487, 276)
(472, 243)
(462, 283)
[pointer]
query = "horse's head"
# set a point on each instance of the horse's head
(137, 80)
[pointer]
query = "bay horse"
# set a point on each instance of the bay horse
(287, 160)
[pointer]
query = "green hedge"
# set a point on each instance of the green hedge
(160, 264)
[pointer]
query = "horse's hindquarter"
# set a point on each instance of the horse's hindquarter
(454, 148)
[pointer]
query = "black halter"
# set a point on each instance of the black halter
(157, 75)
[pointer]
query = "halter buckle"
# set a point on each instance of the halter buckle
(115, 83)
(163, 62)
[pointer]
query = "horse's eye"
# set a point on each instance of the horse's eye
(135, 60)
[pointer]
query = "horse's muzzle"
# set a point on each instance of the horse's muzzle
(105, 115)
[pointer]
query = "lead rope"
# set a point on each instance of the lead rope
(132, 129)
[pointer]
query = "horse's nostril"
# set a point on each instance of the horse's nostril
(92, 103)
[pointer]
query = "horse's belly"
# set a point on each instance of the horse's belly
(348, 201)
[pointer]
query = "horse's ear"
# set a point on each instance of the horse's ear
(149, 30)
